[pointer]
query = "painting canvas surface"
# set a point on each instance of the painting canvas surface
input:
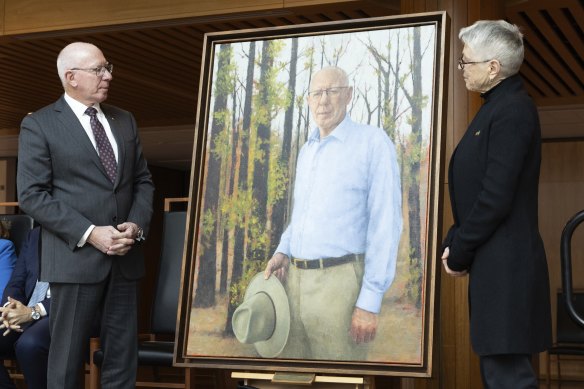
(256, 122)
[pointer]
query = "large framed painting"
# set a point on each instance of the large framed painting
(313, 220)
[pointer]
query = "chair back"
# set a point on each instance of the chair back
(20, 225)
(567, 330)
(165, 304)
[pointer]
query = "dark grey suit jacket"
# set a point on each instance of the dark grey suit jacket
(64, 187)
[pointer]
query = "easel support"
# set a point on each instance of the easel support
(293, 380)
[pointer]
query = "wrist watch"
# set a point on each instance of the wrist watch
(139, 235)
(35, 313)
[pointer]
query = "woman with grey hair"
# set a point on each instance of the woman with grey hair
(493, 183)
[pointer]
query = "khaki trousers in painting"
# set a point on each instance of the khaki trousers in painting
(321, 308)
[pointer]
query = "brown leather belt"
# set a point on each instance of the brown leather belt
(321, 263)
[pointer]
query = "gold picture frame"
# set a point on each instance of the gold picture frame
(396, 68)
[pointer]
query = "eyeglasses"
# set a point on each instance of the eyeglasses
(330, 92)
(98, 71)
(462, 63)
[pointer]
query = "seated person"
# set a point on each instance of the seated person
(26, 328)
(7, 255)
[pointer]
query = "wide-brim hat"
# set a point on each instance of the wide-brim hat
(263, 319)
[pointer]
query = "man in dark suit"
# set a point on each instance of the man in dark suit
(26, 334)
(83, 177)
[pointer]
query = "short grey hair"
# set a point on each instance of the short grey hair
(495, 39)
(339, 73)
(71, 56)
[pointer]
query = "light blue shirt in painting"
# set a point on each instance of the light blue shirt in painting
(347, 200)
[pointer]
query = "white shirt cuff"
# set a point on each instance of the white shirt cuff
(83, 239)
(42, 309)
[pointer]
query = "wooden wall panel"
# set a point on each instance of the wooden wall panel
(449, 369)
(2, 17)
(562, 162)
(33, 16)
(454, 345)
(24, 16)
(302, 3)
(415, 6)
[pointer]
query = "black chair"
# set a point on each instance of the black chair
(20, 225)
(152, 352)
(569, 335)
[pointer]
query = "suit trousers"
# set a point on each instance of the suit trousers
(507, 371)
(74, 310)
(31, 349)
(321, 308)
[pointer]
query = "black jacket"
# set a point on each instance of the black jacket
(493, 183)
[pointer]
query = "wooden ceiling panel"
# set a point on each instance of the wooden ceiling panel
(548, 57)
(561, 48)
(539, 88)
(569, 28)
(157, 65)
(545, 72)
(554, 49)
(576, 13)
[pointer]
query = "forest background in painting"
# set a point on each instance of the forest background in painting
(259, 119)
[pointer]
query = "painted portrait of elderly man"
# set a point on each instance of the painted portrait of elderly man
(337, 256)
(312, 225)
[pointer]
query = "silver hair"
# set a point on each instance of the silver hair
(71, 56)
(340, 73)
(495, 39)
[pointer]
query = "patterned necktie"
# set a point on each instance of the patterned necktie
(104, 147)
(39, 293)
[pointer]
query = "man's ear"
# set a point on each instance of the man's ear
(70, 78)
(349, 94)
